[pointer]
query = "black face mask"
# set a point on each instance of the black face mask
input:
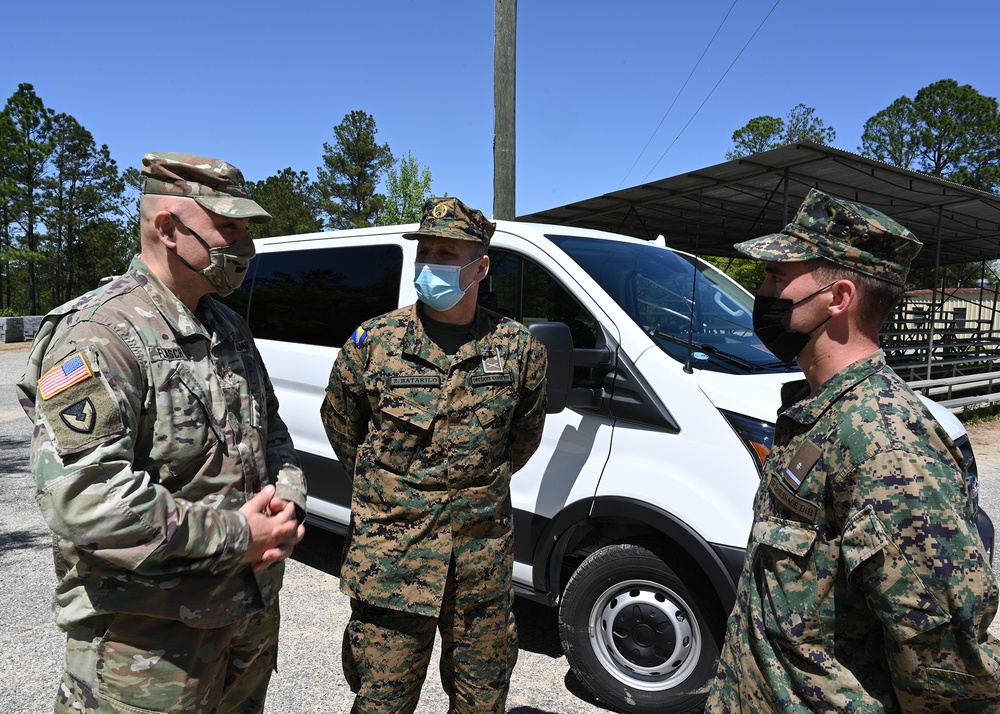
(772, 318)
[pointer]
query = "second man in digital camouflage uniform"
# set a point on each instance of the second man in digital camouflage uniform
(865, 586)
(162, 466)
(430, 409)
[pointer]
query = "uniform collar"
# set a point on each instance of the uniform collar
(418, 344)
(184, 322)
(806, 408)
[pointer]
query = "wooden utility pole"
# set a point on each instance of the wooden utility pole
(504, 65)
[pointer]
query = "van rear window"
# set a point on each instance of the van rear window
(318, 297)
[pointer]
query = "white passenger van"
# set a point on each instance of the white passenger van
(633, 515)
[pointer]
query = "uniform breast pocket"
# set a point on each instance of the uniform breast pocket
(495, 413)
(405, 430)
(186, 423)
(790, 589)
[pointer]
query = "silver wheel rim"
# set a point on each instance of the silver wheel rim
(644, 635)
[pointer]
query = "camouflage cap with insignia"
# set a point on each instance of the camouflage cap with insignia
(216, 185)
(450, 218)
(843, 232)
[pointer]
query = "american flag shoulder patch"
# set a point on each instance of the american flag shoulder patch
(63, 376)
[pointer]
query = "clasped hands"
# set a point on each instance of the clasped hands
(274, 529)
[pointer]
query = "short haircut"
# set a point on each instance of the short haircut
(877, 298)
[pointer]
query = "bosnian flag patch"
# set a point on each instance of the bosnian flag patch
(64, 376)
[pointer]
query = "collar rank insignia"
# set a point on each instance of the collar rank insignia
(800, 465)
(492, 362)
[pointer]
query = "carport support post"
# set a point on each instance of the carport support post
(784, 196)
(504, 67)
(933, 311)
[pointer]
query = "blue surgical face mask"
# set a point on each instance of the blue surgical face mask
(439, 286)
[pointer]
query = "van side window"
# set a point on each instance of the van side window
(523, 290)
(318, 297)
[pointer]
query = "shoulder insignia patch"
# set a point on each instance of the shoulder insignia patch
(359, 336)
(61, 377)
(80, 416)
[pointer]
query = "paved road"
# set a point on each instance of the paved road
(309, 677)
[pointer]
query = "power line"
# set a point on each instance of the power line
(693, 70)
(777, 2)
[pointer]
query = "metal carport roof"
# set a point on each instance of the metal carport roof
(706, 211)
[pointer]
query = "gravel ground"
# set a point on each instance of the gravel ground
(314, 612)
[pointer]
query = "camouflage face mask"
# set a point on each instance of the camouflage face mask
(228, 265)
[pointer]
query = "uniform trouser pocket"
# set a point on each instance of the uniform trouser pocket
(132, 663)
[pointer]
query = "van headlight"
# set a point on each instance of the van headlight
(757, 435)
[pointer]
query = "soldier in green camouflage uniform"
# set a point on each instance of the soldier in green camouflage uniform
(865, 587)
(162, 467)
(430, 409)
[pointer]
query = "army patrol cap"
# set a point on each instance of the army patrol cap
(843, 232)
(450, 218)
(216, 185)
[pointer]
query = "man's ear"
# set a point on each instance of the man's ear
(844, 293)
(483, 270)
(165, 228)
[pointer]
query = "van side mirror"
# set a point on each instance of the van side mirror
(558, 341)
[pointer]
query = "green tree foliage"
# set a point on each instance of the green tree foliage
(947, 130)
(69, 217)
(289, 198)
(132, 179)
(27, 147)
(407, 188)
(352, 167)
(767, 132)
(85, 196)
(748, 273)
(61, 207)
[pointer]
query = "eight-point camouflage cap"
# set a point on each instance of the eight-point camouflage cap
(450, 218)
(843, 232)
(216, 185)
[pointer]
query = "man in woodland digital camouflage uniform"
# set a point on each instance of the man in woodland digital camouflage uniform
(430, 409)
(162, 467)
(865, 587)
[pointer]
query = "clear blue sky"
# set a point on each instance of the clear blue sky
(261, 84)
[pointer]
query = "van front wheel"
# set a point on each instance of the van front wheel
(634, 634)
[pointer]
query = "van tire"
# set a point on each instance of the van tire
(634, 634)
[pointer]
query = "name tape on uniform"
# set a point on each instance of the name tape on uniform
(416, 380)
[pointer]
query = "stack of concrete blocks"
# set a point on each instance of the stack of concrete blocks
(12, 329)
(31, 324)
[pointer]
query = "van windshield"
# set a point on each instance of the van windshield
(686, 305)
